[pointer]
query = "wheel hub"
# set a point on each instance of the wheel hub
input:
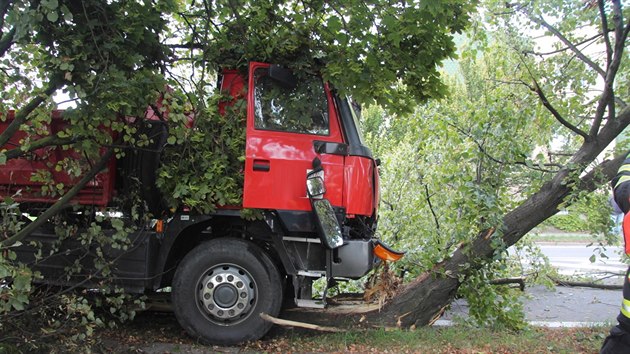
(227, 293)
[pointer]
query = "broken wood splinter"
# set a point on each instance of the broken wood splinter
(281, 322)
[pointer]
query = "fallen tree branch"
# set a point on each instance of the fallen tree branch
(61, 202)
(22, 115)
(289, 323)
(586, 284)
(504, 281)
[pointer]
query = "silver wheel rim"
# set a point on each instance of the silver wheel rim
(226, 294)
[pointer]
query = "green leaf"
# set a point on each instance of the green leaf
(334, 24)
(50, 4)
(52, 16)
(67, 14)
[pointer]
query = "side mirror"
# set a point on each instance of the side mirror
(326, 220)
(283, 76)
(329, 229)
(315, 184)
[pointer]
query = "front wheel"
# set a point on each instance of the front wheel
(221, 287)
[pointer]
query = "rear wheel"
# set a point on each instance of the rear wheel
(221, 287)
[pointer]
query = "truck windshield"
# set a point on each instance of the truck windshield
(301, 109)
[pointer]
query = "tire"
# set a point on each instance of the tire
(221, 287)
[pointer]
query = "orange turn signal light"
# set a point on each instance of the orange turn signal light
(159, 226)
(385, 253)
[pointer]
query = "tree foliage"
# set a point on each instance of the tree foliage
(521, 136)
(457, 166)
(202, 168)
(105, 57)
(361, 47)
(112, 59)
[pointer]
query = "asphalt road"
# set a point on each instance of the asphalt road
(567, 306)
(559, 307)
(572, 259)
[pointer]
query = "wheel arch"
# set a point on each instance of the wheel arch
(182, 238)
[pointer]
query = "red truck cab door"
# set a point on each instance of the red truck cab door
(286, 123)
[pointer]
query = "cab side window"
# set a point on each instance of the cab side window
(301, 109)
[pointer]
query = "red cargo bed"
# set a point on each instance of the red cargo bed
(16, 174)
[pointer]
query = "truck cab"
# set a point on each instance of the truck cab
(292, 122)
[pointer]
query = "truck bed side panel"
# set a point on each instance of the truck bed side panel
(16, 174)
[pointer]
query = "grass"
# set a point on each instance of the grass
(443, 340)
(149, 330)
(457, 339)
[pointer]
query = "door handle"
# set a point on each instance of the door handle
(262, 165)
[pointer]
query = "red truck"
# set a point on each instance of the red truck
(306, 170)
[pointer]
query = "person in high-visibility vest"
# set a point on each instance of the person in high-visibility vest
(618, 341)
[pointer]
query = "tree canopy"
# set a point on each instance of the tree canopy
(375, 50)
(113, 59)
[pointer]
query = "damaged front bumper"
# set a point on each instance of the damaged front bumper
(357, 257)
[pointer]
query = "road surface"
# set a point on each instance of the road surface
(567, 306)
(572, 259)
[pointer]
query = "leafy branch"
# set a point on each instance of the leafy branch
(22, 115)
(535, 87)
(543, 99)
(484, 151)
(61, 203)
(540, 21)
(52, 140)
(607, 99)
